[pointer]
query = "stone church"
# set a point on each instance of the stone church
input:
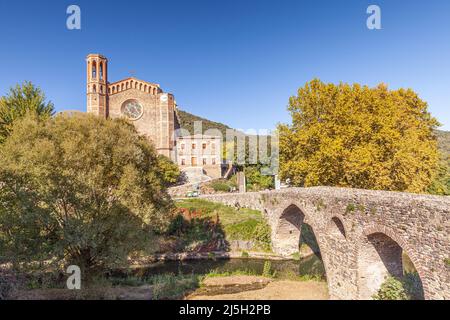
(153, 112)
(150, 109)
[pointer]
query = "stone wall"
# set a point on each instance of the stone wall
(360, 234)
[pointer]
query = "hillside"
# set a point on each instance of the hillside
(444, 141)
(186, 121)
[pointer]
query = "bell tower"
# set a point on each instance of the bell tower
(97, 85)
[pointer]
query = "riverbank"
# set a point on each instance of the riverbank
(231, 288)
(185, 256)
(269, 289)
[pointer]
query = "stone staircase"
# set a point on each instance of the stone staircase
(195, 175)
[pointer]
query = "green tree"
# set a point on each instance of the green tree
(356, 136)
(79, 190)
(170, 170)
(18, 102)
(255, 180)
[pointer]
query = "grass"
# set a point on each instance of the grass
(242, 224)
(169, 286)
(228, 215)
(216, 273)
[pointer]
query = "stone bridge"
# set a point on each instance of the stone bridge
(361, 234)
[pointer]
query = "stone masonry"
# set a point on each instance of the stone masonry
(361, 234)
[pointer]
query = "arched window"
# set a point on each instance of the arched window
(140, 86)
(145, 88)
(94, 88)
(101, 70)
(121, 87)
(101, 89)
(94, 70)
(127, 84)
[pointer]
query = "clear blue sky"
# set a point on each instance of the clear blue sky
(231, 61)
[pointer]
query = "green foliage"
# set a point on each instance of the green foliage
(216, 273)
(222, 185)
(245, 224)
(79, 190)
(360, 137)
(22, 100)
(255, 230)
(409, 287)
(256, 181)
(244, 254)
(170, 286)
(196, 234)
(261, 234)
(171, 173)
(350, 208)
(391, 289)
(267, 270)
(242, 231)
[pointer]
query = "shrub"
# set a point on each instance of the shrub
(220, 186)
(408, 287)
(391, 289)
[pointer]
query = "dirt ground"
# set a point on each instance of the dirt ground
(235, 280)
(269, 289)
(275, 290)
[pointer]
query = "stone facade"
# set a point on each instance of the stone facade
(153, 111)
(361, 234)
(200, 151)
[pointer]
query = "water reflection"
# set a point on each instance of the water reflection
(284, 269)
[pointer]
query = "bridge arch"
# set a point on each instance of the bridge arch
(291, 222)
(288, 230)
(380, 254)
(336, 228)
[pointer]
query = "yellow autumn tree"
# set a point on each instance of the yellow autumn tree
(360, 137)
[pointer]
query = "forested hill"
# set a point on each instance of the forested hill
(186, 121)
(444, 141)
